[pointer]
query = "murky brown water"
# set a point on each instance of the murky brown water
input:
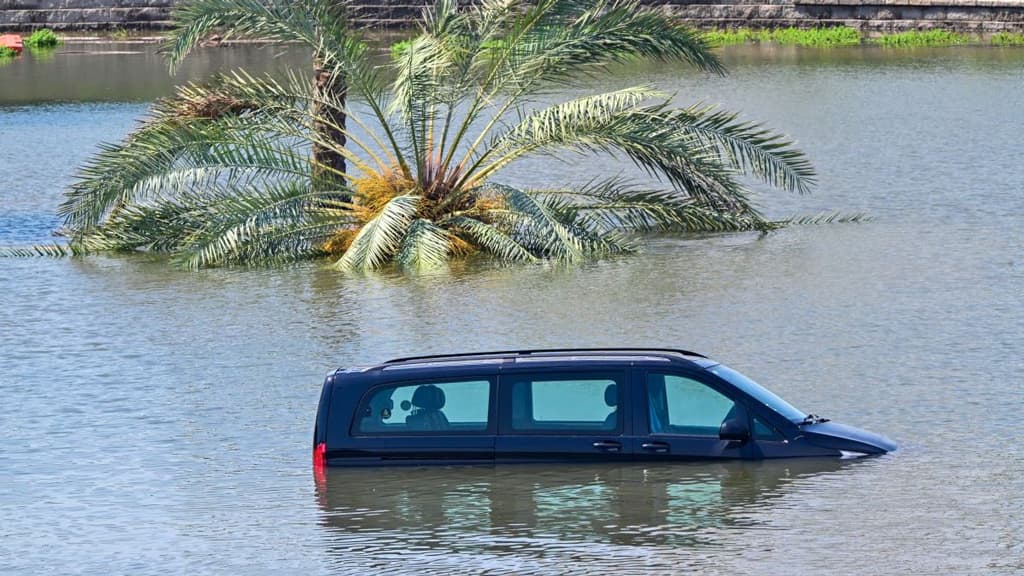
(159, 421)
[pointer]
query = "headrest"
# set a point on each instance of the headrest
(611, 395)
(428, 397)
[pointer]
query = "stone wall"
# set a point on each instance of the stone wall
(870, 16)
(83, 15)
(866, 15)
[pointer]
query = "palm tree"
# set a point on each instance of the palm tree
(408, 169)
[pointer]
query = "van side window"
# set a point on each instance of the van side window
(570, 405)
(678, 405)
(763, 431)
(449, 407)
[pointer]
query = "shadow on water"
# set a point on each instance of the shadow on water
(542, 517)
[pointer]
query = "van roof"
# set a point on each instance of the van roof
(547, 355)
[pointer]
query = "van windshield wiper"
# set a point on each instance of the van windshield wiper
(812, 419)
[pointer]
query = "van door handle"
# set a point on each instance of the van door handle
(655, 446)
(608, 446)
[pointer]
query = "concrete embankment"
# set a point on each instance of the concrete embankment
(868, 16)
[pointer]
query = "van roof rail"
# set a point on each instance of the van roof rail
(553, 351)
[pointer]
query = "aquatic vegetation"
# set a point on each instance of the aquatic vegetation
(6, 52)
(400, 47)
(44, 38)
(1007, 39)
(245, 169)
(730, 36)
(924, 38)
(120, 33)
(817, 37)
(846, 36)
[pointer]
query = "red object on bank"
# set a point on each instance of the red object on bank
(12, 41)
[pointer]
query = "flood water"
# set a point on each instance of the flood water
(159, 421)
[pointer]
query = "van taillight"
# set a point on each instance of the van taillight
(320, 456)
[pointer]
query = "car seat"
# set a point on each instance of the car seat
(427, 401)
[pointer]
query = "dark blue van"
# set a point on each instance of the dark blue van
(621, 404)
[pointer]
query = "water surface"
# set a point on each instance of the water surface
(157, 420)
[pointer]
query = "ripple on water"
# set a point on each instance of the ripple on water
(158, 421)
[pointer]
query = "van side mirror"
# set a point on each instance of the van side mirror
(734, 429)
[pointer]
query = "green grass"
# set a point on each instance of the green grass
(730, 36)
(398, 47)
(119, 34)
(6, 52)
(1007, 39)
(44, 38)
(832, 36)
(818, 37)
(925, 38)
(846, 36)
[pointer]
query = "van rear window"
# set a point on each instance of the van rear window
(433, 407)
(570, 405)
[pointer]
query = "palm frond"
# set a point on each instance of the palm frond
(254, 226)
(170, 156)
(749, 146)
(615, 204)
(380, 238)
(321, 26)
(558, 39)
(35, 251)
(224, 225)
(579, 122)
(424, 245)
(824, 218)
(490, 238)
(416, 88)
(645, 134)
(546, 229)
(304, 21)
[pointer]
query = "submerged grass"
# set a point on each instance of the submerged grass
(1007, 39)
(847, 36)
(730, 36)
(819, 37)
(925, 38)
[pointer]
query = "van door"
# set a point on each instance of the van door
(680, 416)
(563, 416)
(449, 421)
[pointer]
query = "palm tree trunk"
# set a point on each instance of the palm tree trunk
(328, 122)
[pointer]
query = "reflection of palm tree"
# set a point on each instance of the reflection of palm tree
(528, 512)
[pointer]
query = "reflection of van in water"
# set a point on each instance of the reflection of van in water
(618, 404)
(501, 508)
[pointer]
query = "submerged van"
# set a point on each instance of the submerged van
(573, 405)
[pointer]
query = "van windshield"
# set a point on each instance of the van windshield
(759, 392)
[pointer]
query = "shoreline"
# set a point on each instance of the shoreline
(822, 37)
